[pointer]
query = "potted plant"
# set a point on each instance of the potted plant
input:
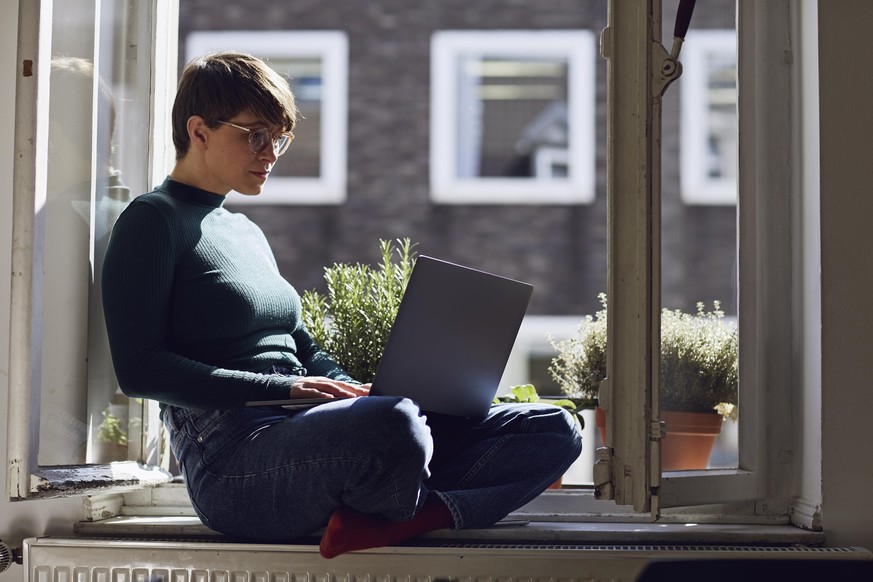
(698, 376)
(111, 443)
(352, 322)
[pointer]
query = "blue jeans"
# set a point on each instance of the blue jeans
(275, 475)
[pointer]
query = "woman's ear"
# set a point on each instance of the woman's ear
(197, 131)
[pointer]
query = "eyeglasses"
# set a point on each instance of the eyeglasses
(259, 138)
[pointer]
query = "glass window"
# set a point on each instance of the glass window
(709, 117)
(98, 113)
(512, 124)
(96, 91)
(699, 346)
(316, 64)
(514, 97)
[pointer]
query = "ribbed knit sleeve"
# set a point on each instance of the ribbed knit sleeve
(163, 341)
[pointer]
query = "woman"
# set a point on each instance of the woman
(200, 319)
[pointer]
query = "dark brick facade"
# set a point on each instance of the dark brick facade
(560, 249)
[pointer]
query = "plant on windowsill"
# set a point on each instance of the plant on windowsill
(111, 441)
(352, 321)
(699, 372)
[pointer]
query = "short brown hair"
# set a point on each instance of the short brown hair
(219, 86)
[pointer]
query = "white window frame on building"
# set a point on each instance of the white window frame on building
(563, 175)
(331, 48)
(697, 185)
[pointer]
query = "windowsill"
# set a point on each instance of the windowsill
(64, 481)
(566, 517)
(533, 532)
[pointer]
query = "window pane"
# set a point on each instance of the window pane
(708, 116)
(98, 117)
(699, 246)
(721, 102)
(304, 155)
(512, 118)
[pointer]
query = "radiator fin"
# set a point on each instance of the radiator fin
(102, 574)
(83, 560)
(45, 574)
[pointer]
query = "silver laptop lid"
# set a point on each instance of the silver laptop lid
(454, 331)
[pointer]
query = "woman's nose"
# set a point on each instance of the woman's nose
(269, 153)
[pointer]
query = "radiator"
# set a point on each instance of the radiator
(105, 560)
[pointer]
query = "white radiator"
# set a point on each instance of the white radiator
(109, 560)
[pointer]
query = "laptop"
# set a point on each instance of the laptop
(450, 342)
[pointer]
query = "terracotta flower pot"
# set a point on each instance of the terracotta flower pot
(688, 441)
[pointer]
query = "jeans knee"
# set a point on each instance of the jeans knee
(387, 428)
(410, 435)
(562, 425)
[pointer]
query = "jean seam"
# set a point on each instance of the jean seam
(396, 494)
(209, 429)
(457, 518)
(486, 456)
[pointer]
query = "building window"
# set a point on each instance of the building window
(709, 117)
(316, 65)
(512, 117)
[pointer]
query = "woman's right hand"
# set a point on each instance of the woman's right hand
(322, 387)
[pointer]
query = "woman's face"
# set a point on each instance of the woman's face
(230, 162)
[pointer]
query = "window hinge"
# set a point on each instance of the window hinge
(665, 69)
(603, 472)
(658, 430)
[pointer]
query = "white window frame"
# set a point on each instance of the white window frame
(696, 186)
(25, 478)
(578, 47)
(761, 490)
(766, 188)
(332, 48)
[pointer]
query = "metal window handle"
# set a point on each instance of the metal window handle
(683, 18)
(683, 21)
(667, 66)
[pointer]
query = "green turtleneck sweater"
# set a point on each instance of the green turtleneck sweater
(195, 306)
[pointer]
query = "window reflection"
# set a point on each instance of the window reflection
(699, 248)
(512, 119)
(305, 77)
(722, 116)
(84, 416)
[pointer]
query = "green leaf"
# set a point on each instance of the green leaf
(564, 403)
(525, 393)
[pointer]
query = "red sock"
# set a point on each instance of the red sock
(348, 530)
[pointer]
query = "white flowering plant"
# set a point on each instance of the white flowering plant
(699, 360)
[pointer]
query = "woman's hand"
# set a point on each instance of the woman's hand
(321, 387)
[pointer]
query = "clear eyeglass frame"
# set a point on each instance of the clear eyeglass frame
(260, 137)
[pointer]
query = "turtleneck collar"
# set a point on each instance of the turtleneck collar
(191, 194)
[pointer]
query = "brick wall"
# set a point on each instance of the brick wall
(560, 249)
